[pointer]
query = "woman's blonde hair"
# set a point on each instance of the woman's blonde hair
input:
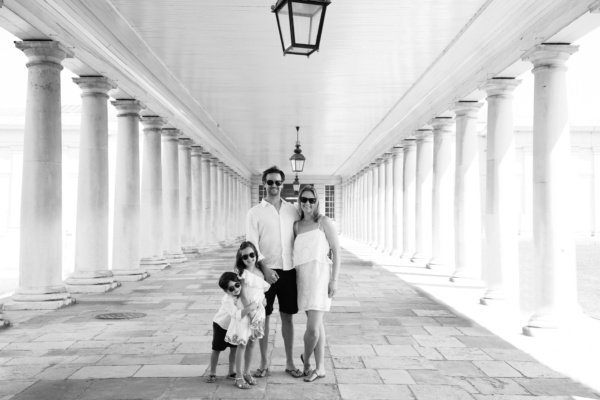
(316, 214)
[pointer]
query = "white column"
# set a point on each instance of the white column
(381, 203)
(596, 192)
(170, 177)
(206, 203)
(92, 274)
(389, 204)
(397, 199)
(197, 208)
(232, 220)
(423, 196)
(152, 245)
(502, 262)
(554, 250)
(126, 226)
(185, 196)
(375, 205)
(214, 202)
(467, 214)
(226, 217)
(409, 204)
(362, 207)
(369, 208)
(353, 198)
(221, 202)
(40, 262)
(442, 201)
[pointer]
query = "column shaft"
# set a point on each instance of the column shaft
(170, 177)
(206, 203)
(214, 201)
(185, 196)
(397, 199)
(389, 204)
(375, 205)
(197, 206)
(369, 210)
(409, 211)
(423, 195)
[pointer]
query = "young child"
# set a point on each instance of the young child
(231, 285)
(244, 331)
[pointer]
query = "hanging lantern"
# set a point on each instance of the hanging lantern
(296, 185)
(300, 24)
(297, 159)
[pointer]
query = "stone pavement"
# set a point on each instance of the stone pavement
(386, 340)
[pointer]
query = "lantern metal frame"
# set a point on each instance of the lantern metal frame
(296, 185)
(282, 3)
(297, 157)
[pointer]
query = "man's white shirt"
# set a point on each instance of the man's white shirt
(272, 233)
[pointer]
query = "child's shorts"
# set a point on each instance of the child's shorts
(219, 343)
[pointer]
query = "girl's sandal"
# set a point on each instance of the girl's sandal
(210, 378)
(243, 385)
(251, 381)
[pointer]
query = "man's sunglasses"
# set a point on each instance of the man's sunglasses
(305, 199)
(271, 182)
(234, 287)
(251, 255)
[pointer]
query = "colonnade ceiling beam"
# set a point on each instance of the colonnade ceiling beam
(498, 36)
(103, 40)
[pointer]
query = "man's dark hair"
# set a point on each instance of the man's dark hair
(226, 278)
(273, 170)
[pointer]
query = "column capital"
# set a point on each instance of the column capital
(442, 124)
(152, 122)
(197, 150)
(409, 144)
(214, 161)
(466, 109)
(44, 52)
(387, 157)
(551, 55)
(424, 134)
(94, 85)
(379, 160)
(170, 135)
(185, 142)
(221, 165)
(127, 107)
(397, 150)
(206, 156)
(500, 87)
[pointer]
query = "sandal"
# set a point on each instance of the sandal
(307, 371)
(313, 377)
(296, 373)
(231, 375)
(210, 379)
(261, 373)
(248, 378)
(243, 385)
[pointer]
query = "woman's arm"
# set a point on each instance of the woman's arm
(334, 245)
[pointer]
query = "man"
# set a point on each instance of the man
(270, 226)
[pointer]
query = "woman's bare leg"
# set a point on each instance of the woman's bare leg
(312, 334)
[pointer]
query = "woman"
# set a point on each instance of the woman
(315, 235)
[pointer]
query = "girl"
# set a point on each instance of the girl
(244, 331)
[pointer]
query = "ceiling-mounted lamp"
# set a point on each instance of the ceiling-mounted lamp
(296, 185)
(300, 23)
(297, 159)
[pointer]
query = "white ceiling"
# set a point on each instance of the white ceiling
(215, 69)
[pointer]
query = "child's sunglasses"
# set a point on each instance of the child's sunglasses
(234, 287)
(251, 255)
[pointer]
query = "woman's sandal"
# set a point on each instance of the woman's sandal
(307, 371)
(210, 378)
(313, 377)
(261, 373)
(248, 378)
(243, 385)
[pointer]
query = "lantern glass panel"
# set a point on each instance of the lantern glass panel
(307, 18)
(283, 19)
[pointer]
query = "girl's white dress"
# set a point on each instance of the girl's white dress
(313, 270)
(242, 329)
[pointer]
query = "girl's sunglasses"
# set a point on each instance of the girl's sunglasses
(305, 199)
(251, 255)
(234, 287)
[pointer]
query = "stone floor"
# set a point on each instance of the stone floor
(386, 339)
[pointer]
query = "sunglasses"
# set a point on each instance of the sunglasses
(251, 255)
(305, 199)
(234, 287)
(271, 182)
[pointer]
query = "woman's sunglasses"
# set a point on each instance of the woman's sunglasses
(270, 182)
(251, 255)
(305, 199)
(234, 287)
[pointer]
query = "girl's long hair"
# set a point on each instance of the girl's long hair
(316, 214)
(239, 263)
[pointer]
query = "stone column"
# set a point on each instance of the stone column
(206, 203)
(40, 262)
(397, 199)
(126, 226)
(389, 204)
(375, 209)
(467, 214)
(369, 210)
(214, 202)
(226, 217)
(596, 191)
(423, 195)
(185, 196)
(409, 208)
(554, 250)
(92, 274)
(362, 206)
(152, 245)
(353, 207)
(502, 262)
(221, 203)
(442, 204)
(381, 207)
(170, 177)
(197, 206)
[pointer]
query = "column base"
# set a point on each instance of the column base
(464, 276)
(420, 258)
(396, 253)
(387, 250)
(130, 275)
(4, 323)
(493, 297)
(407, 255)
(435, 263)
(91, 282)
(553, 324)
(189, 251)
(154, 263)
(175, 258)
(45, 298)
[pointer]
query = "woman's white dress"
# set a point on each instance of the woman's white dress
(242, 329)
(313, 270)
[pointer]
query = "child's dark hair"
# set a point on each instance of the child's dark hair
(226, 278)
(239, 263)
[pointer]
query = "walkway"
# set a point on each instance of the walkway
(386, 340)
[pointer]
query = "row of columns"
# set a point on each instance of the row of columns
(424, 204)
(184, 201)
